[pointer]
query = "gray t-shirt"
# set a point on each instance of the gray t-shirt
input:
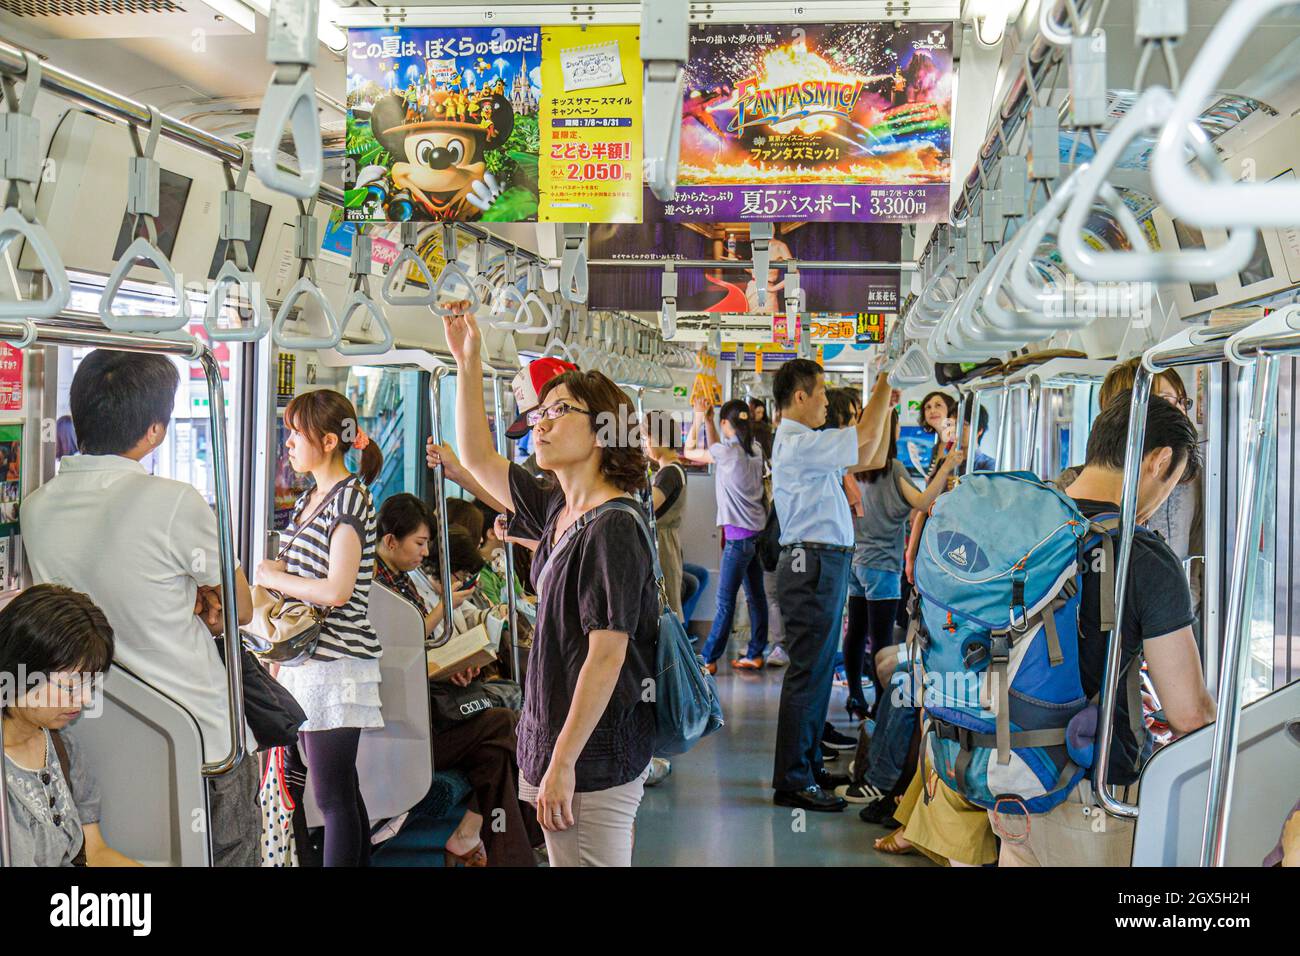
(738, 484)
(878, 535)
(45, 819)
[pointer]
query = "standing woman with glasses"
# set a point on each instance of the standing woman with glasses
(587, 733)
(330, 564)
(742, 514)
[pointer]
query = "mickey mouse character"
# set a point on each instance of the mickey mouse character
(438, 144)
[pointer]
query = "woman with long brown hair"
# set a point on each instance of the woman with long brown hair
(587, 730)
(330, 564)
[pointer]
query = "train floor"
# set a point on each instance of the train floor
(715, 808)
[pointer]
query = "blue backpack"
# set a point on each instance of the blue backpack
(999, 574)
(686, 703)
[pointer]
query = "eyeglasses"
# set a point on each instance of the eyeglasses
(558, 410)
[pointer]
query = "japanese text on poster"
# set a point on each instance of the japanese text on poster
(590, 164)
(847, 121)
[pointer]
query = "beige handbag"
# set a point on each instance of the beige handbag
(285, 630)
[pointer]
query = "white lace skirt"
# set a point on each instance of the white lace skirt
(338, 693)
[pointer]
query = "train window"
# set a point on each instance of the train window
(389, 403)
(186, 453)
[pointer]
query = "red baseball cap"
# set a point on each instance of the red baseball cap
(528, 385)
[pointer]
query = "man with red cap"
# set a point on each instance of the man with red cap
(527, 385)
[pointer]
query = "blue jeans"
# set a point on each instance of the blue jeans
(701, 576)
(813, 584)
(740, 565)
(896, 720)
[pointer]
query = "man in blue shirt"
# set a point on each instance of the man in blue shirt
(813, 575)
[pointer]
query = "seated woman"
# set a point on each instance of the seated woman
(59, 641)
(481, 746)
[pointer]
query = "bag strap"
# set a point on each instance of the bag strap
(334, 492)
(61, 749)
(615, 504)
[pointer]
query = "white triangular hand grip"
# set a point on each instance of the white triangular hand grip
(1188, 265)
(304, 286)
(1220, 203)
(231, 275)
(558, 348)
(396, 274)
(295, 104)
(359, 300)
(507, 300)
(143, 249)
(531, 306)
(454, 272)
(14, 226)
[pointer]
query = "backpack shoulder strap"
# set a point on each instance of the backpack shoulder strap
(616, 504)
(61, 749)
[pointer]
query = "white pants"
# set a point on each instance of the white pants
(601, 834)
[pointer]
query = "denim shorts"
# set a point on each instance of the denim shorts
(875, 584)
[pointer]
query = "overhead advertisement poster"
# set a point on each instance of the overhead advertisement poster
(450, 124)
(841, 122)
(590, 168)
(731, 288)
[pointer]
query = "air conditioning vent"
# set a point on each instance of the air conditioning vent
(87, 8)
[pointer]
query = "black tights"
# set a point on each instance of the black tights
(871, 628)
(330, 756)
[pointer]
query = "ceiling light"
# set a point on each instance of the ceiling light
(328, 34)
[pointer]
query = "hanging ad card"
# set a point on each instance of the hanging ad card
(731, 288)
(443, 124)
(496, 124)
(590, 164)
(841, 122)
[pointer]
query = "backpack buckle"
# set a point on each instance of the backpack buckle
(1020, 624)
(999, 649)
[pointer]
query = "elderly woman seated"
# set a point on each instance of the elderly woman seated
(55, 643)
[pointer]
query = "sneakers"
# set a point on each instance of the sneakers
(879, 812)
(841, 679)
(778, 657)
(748, 663)
(711, 668)
(859, 793)
(387, 830)
(660, 768)
(835, 740)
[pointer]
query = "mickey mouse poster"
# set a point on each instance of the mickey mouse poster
(443, 124)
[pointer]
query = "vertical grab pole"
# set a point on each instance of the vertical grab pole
(1032, 442)
(649, 474)
(977, 399)
(512, 602)
(963, 399)
(1137, 431)
(1004, 426)
(1261, 442)
(5, 859)
(226, 549)
(440, 496)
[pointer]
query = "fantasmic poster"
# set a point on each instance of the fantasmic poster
(842, 122)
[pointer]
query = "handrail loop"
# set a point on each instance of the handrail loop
(144, 203)
(290, 96)
(306, 245)
(360, 298)
(236, 231)
(20, 165)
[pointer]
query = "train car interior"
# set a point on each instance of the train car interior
(1003, 241)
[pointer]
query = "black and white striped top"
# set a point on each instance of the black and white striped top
(346, 631)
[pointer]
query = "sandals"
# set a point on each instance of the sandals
(475, 857)
(889, 844)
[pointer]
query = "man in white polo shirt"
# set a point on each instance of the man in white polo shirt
(813, 574)
(145, 550)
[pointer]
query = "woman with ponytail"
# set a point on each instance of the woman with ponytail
(330, 564)
(742, 514)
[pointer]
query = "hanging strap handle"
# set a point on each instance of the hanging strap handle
(143, 202)
(236, 270)
(306, 244)
(20, 165)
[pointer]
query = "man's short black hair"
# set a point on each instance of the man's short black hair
(1167, 427)
(983, 420)
(795, 375)
(116, 396)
